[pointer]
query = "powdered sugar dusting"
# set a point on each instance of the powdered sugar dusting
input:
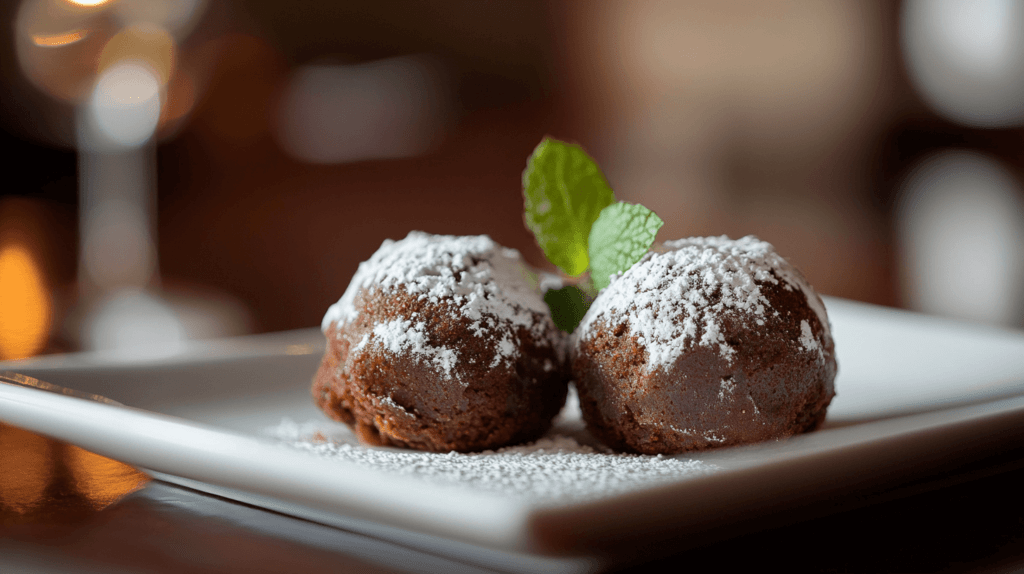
(680, 283)
(554, 469)
(482, 281)
(807, 339)
(386, 400)
(708, 435)
(725, 389)
(405, 336)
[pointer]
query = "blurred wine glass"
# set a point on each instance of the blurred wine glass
(130, 71)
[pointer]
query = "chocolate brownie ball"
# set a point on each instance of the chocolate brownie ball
(707, 342)
(443, 343)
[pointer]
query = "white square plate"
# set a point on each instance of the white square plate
(917, 396)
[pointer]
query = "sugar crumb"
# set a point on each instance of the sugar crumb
(481, 281)
(686, 287)
(554, 469)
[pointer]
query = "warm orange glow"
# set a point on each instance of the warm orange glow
(102, 480)
(55, 40)
(180, 99)
(88, 2)
(145, 42)
(27, 469)
(24, 304)
(57, 44)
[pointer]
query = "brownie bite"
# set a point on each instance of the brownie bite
(443, 343)
(707, 342)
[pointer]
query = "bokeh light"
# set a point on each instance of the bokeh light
(146, 43)
(178, 17)
(25, 307)
(385, 109)
(125, 104)
(59, 39)
(181, 98)
(135, 324)
(57, 44)
(960, 232)
(966, 57)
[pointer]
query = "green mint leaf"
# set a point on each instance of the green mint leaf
(568, 305)
(564, 192)
(619, 238)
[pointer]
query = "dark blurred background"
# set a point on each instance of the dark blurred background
(876, 144)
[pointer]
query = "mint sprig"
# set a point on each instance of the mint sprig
(568, 305)
(564, 193)
(619, 238)
(573, 214)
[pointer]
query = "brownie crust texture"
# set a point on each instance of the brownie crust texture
(708, 342)
(443, 344)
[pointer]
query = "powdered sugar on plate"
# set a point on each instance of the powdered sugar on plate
(667, 297)
(488, 284)
(562, 467)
